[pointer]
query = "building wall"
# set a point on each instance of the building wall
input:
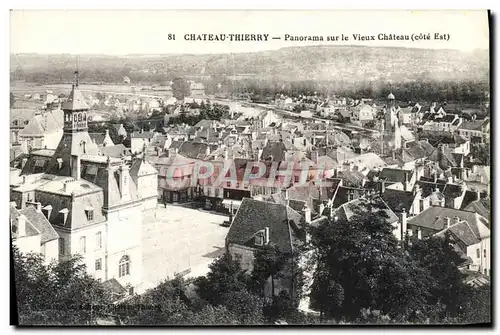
(137, 144)
(51, 140)
(147, 186)
(482, 262)
(28, 244)
(124, 237)
(51, 249)
(245, 258)
(92, 252)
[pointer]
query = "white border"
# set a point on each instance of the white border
(190, 4)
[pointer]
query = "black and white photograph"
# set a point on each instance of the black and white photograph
(250, 168)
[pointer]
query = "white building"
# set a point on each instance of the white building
(94, 203)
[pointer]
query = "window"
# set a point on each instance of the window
(61, 246)
(484, 253)
(90, 214)
(259, 239)
(485, 272)
(98, 240)
(124, 266)
(98, 264)
(478, 253)
(237, 257)
(83, 245)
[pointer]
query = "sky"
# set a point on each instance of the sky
(119, 32)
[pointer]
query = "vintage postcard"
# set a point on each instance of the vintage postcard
(250, 167)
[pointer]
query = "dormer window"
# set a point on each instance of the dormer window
(259, 239)
(59, 163)
(89, 213)
(262, 237)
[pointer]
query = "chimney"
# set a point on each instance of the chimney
(21, 225)
(24, 179)
(207, 151)
(124, 182)
(23, 162)
(75, 167)
(266, 235)
(38, 207)
(457, 219)
(226, 154)
(307, 214)
(315, 156)
(382, 186)
(419, 233)
(404, 224)
(409, 232)
(448, 222)
(417, 189)
(478, 195)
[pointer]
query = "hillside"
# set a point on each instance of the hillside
(337, 63)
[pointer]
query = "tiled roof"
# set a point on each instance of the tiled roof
(398, 200)
(429, 187)
(146, 134)
(482, 207)
(30, 228)
(41, 224)
(75, 101)
(453, 190)
(435, 218)
(472, 125)
(354, 178)
(195, 150)
(254, 215)
(396, 175)
(114, 287)
(348, 209)
(98, 138)
(274, 151)
(141, 167)
(116, 151)
(461, 231)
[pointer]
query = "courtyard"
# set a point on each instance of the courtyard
(180, 240)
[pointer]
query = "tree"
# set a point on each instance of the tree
(61, 293)
(358, 262)
(181, 88)
(225, 276)
(12, 100)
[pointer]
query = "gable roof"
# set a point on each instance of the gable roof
(41, 224)
(398, 200)
(254, 216)
(396, 175)
(434, 218)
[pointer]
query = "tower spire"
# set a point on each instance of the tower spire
(77, 79)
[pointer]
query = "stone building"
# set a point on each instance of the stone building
(95, 203)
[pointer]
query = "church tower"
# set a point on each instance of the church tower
(76, 140)
(392, 133)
